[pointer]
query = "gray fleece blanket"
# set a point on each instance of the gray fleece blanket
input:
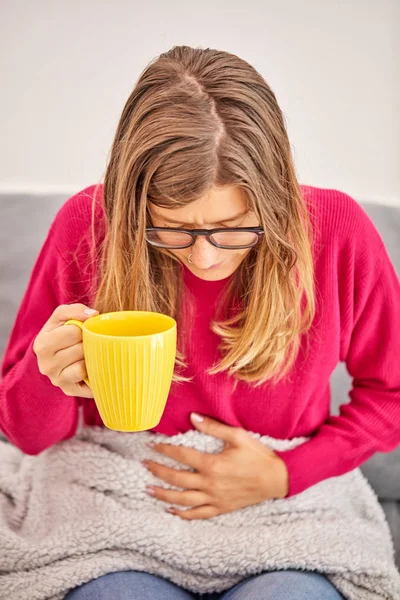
(79, 510)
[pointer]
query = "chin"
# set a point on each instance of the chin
(215, 274)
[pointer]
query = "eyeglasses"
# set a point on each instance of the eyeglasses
(234, 238)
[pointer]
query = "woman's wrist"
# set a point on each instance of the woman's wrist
(282, 478)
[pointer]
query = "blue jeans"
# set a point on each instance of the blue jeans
(274, 585)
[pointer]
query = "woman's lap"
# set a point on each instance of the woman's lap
(276, 585)
(284, 585)
(129, 585)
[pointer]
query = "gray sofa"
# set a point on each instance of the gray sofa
(23, 224)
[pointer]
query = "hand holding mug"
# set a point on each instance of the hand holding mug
(126, 358)
(59, 350)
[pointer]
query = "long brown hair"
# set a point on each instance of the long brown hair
(198, 118)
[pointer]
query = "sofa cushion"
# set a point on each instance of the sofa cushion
(24, 221)
(382, 470)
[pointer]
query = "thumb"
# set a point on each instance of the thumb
(216, 428)
(65, 312)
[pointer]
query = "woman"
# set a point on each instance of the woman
(201, 217)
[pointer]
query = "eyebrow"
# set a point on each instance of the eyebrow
(235, 218)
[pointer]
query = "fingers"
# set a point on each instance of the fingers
(52, 342)
(187, 456)
(74, 373)
(200, 512)
(68, 355)
(80, 390)
(178, 478)
(57, 363)
(68, 311)
(185, 498)
(59, 350)
(231, 435)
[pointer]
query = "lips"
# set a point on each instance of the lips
(215, 266)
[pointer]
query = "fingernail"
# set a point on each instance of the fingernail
(89, 311)
(150, 490)
(170, 510)
(145, 463)
(151, 444)
(197, 417)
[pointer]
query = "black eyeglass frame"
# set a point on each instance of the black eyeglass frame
(206, 233)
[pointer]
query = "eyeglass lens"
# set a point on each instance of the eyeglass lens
(179, 239)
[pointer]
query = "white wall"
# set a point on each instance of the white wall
(67, 68)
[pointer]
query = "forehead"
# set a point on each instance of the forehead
(220, 204)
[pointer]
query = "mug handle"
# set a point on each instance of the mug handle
(80, 325)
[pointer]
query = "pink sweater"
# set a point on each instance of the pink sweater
(357, 322)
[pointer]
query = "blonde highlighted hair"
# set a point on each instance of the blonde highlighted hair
(199, 118)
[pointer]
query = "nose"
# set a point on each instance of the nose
(204, 254)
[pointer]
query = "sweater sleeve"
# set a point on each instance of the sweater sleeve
(34, 414)
(370, 422)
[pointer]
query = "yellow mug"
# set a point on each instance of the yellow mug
(130, 358)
